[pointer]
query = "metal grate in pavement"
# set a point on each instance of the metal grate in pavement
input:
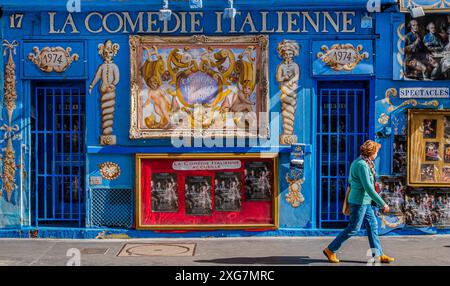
(157, 249)
(101, 251)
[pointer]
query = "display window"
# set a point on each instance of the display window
(207, 191)
(429, 148)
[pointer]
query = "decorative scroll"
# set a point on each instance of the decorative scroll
(109, 73)
(198, 85)
(342, 56)
(288, 74)
(9, 159)
(10, 95)
(295, 196)
(401, 50)
(51, 59)
(109, 170)
(10, 132)
(392, 92)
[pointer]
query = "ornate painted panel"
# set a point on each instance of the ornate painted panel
(344, 57)
(198, 85)
(65, 59)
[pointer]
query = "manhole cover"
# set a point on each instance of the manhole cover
(101, 251)
(157, 249)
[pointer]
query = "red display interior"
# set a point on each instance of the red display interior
(251, 212)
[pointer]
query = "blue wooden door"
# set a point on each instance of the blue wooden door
(58, 153)
(343, 124)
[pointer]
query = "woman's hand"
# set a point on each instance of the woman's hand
(385, 208)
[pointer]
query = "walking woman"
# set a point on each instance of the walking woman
(362, 181)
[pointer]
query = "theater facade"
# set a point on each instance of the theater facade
(117, 121)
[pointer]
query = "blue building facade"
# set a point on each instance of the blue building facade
(78, 137)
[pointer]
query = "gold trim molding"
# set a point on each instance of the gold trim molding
(183, 67)
(138, 196)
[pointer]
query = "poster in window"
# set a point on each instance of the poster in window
(447, 153)
(392, 192)
(441, 210)
(399, 160)
(257, 182)
(164, 192)
(427, 172)
(447, 127)
(198, 191)
(446, 174)
(432, 151)
(228, 191)
(429, 128)
(418, 207)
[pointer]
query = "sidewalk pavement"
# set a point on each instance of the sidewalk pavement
(431, 250)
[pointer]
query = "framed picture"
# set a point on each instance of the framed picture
(432, 151)
(257, 181)
(427, 46)
(198, 192)
(446, 174)
(199, 85)
(428, 152)
(447, 153)
(228, 191)
(429, 128)
(447, 127)
(164, 192)
(206, 191)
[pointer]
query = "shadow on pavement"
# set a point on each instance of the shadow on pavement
(273, 260)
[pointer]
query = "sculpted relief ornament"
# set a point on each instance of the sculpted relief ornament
(108, 73)
(342, 57)
(51, 59)
(288, 74)
(10, 132)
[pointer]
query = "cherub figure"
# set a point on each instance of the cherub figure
(241, 101)
(152, 72)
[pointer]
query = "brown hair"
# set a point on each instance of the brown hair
(369, 148)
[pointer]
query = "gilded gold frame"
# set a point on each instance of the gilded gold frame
(262, 73)
(275, 202)
(414, 118)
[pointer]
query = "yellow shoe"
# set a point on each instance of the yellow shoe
(331, 256)
(386, 259)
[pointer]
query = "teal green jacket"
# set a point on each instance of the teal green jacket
(362, 189)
